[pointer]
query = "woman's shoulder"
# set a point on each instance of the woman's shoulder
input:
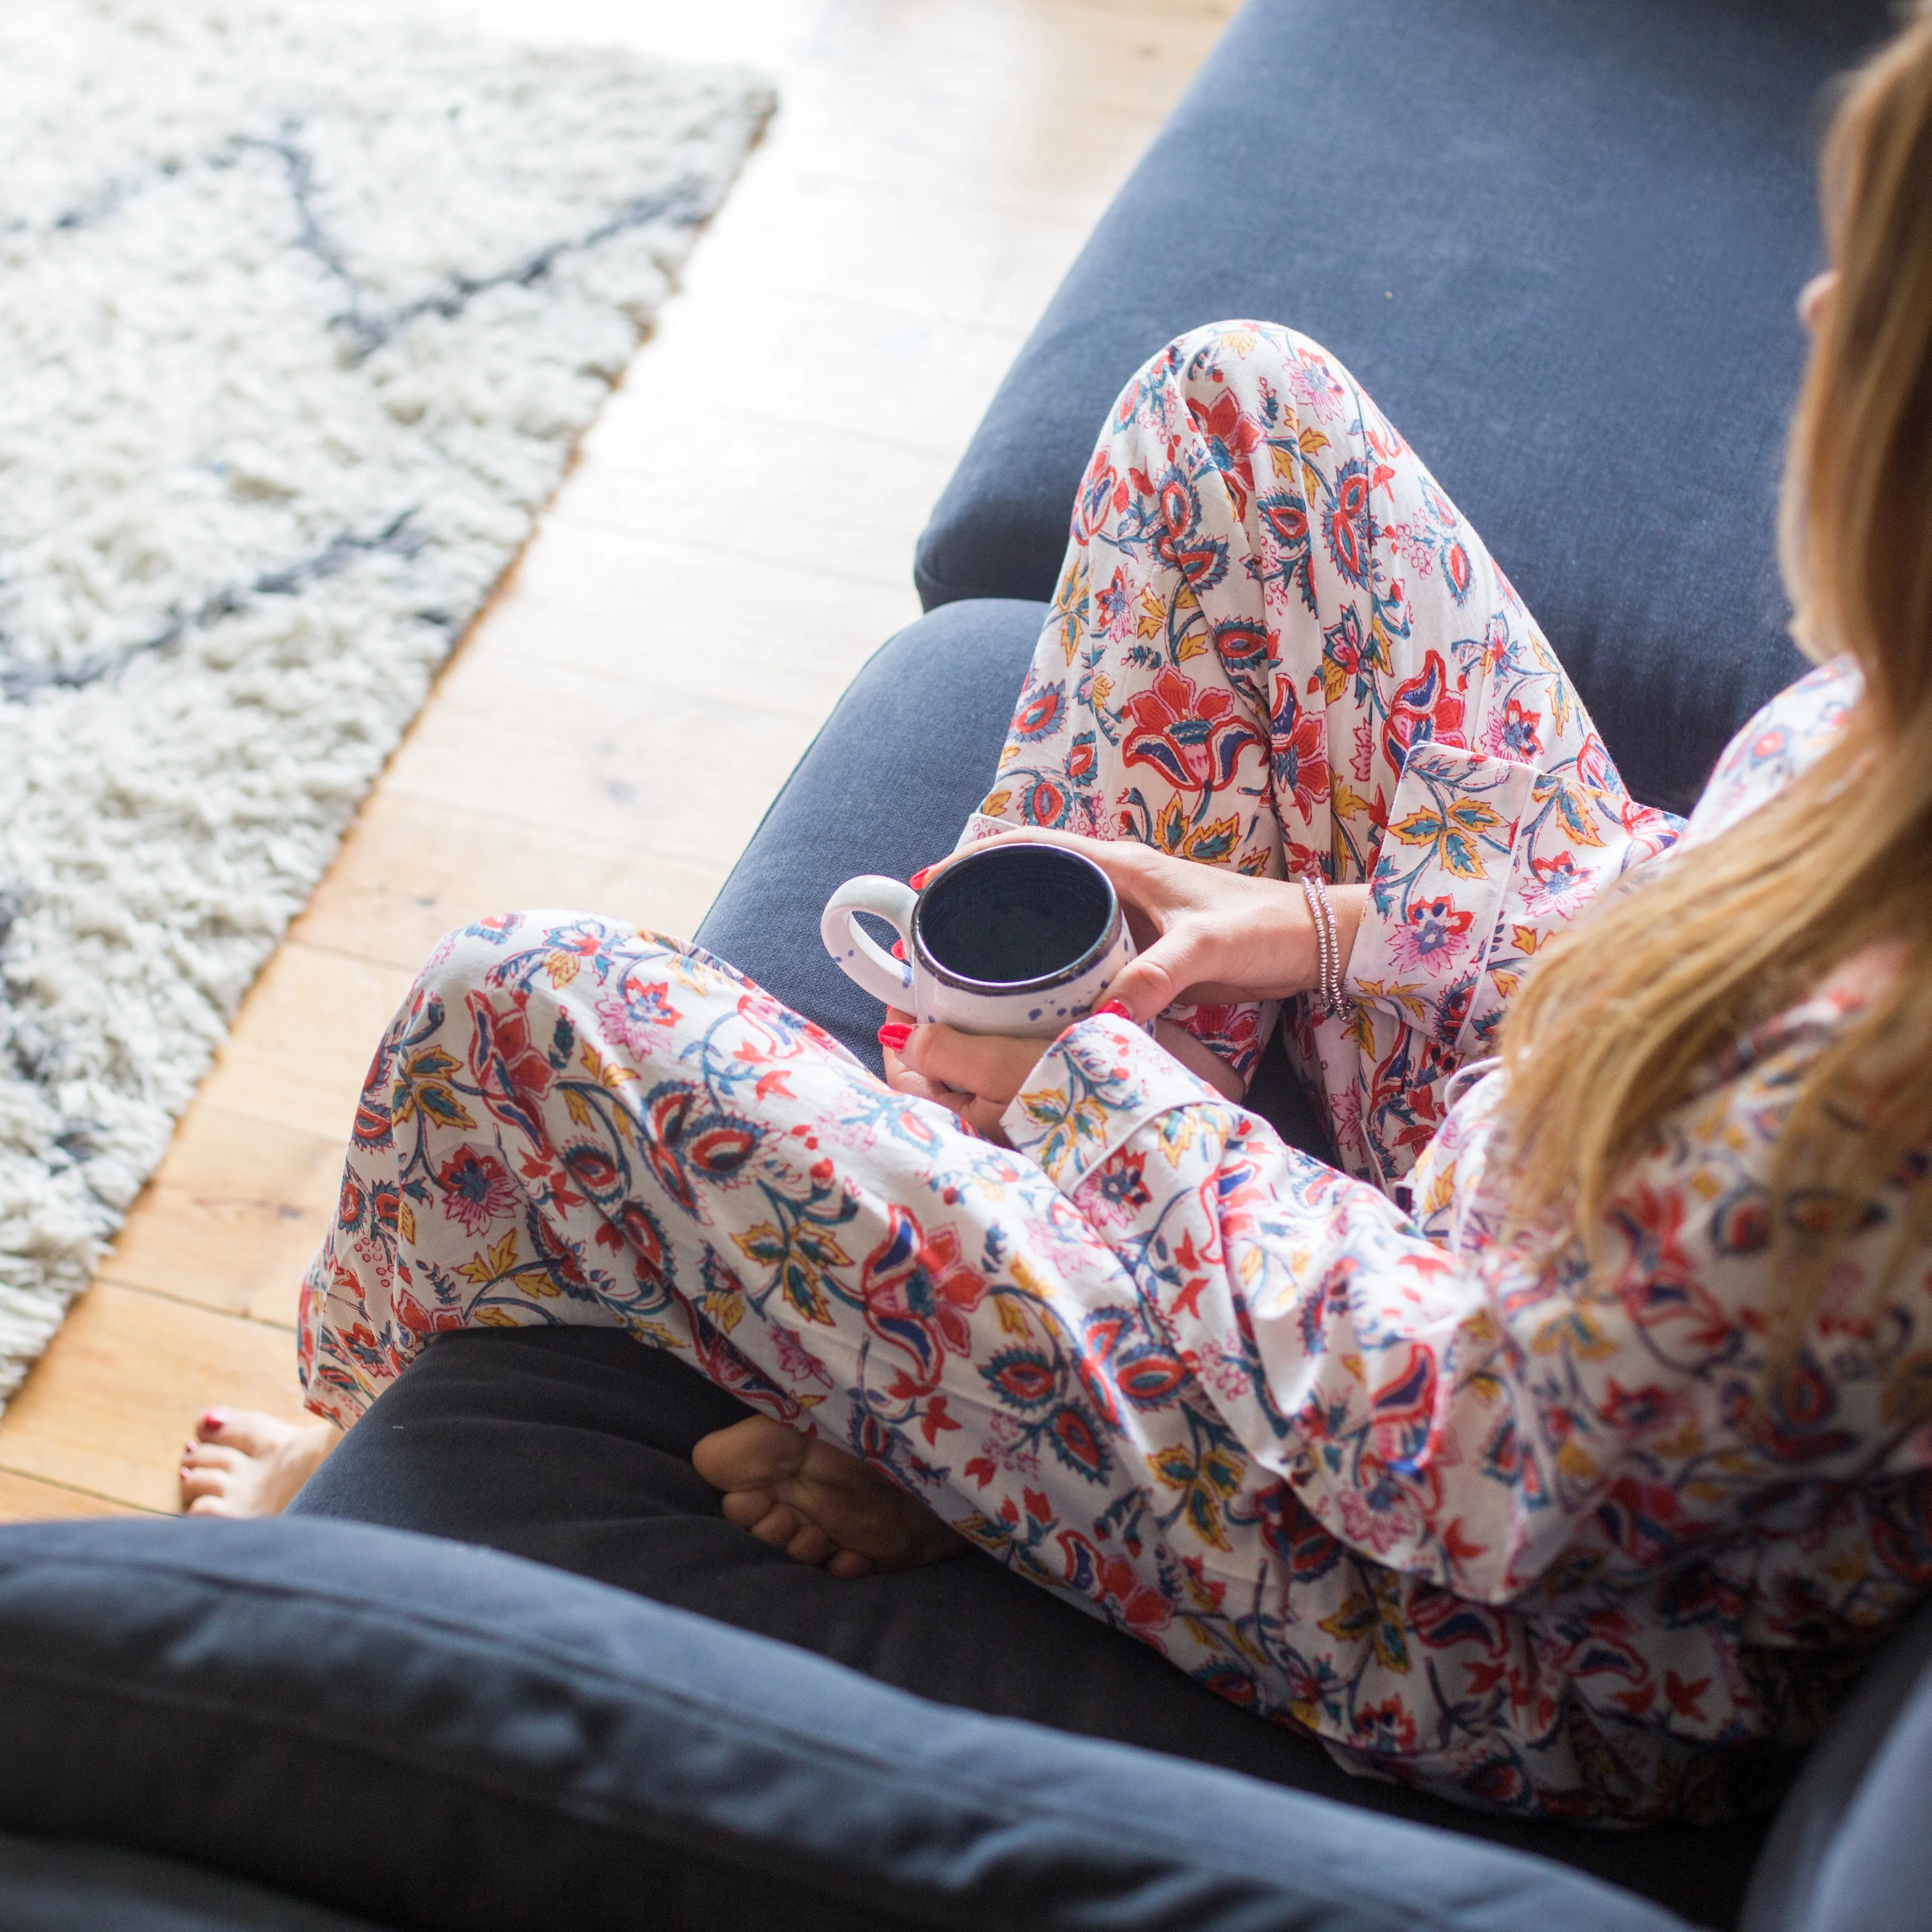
(1784, 737)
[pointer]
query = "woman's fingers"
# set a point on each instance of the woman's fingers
(981, 1115)
(984, 1118)
(899, 1077)
(1197, 1059)
(976, 1115)
(1154, 980)
(994, 1066)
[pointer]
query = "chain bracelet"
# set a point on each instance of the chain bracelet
(1328, 995)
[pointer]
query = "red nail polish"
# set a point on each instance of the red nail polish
(1113, 1009)
(893, 1036)
(920, 878)
(212, 1420)
(899, 948)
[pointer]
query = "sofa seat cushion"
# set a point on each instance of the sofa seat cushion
(906, 756)
(1559, 241)
(572, 1446)
(441, 1737)
(56, 1886)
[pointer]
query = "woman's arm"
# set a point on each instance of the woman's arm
(1489, 1411)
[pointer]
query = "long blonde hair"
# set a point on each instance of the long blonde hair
(1610, 1032)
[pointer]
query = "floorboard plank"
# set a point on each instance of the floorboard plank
(728, 482)
(234, 1214)
(116, 1397)
(27, 1499)
(303, 1041)
(658, 771)
(415, 868)
(602, 600)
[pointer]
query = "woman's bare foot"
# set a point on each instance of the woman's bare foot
(244, 1463)
(819, 1503)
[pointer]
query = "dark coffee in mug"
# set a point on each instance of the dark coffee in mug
(1016, 937)
(1012, 912)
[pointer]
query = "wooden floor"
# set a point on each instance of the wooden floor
(735, 539)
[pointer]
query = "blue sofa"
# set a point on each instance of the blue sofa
(504, 1664)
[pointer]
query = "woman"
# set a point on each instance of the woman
(1562, 1450)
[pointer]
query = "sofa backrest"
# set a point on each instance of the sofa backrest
(1559, 240)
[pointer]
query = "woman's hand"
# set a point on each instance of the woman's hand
(974, 1075)
(1205, 934)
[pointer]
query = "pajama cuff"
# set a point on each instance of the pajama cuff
(1101, 1080)
(1437, 890)
(978, 828)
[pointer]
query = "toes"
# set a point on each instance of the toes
(206, 1470)
(250, 1430)
(747, 1506)
(811, 1545)
(754, 1454)
(202, 1482)
(778, 1525)
(818, 1503)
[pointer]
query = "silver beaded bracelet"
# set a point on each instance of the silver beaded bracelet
(1328, 998)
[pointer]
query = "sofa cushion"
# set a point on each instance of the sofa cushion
(56, 1886)
(1849, 1851)
(443, 1737)
(572, 1446)
(1559, 242)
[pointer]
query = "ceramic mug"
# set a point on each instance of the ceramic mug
(1015, 938)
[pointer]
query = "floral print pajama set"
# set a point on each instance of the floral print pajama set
(1475, 1517)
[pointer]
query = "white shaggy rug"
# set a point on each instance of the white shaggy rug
(300, 319)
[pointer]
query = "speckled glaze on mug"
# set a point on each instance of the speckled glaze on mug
(1015, 938)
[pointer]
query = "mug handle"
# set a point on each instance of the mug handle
(859, 956)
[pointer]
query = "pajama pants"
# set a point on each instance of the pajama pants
(1267, 601)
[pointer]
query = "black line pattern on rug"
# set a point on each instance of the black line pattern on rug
(36, 1060)
(114, 194)
(19, 682)
(686, 204)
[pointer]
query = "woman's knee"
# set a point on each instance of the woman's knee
(1208, 359)
(512, 947)
(554, 974)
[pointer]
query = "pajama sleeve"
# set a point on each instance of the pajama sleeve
(1479, 1413)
